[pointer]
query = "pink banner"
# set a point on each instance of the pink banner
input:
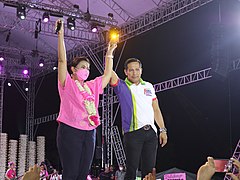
(175, 176)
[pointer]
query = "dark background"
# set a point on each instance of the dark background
(202, 118)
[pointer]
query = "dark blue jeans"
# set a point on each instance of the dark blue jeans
(76, 150)
(140, 146)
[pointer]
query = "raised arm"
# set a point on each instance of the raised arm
(62, 58)
(108, 64)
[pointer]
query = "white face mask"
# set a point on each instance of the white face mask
(82, 74)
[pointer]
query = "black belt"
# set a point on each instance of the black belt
(147, 127)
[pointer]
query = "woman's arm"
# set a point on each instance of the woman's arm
(62, 60)
(108, 64)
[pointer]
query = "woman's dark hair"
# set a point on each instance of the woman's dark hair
(76, 61)
(130, 60)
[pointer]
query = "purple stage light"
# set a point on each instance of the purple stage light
(45, 20)
(94, 29)
(25, 72)
(41, 62)
(45, 17)
(1, 58)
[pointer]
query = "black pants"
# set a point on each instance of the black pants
(140, 145)
(76, 150)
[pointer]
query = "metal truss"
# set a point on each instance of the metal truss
(118, 147)
(2, 80)
(30, 109)
(13, 67)
(130, 29)
(235, 65)
(118, 10)
(236, 155)
(45, 119)
(60, 11)
(152, 19)
(107, 114)
(69, 5)
(157, 2)
(183, 80)
(159, 16)
(29, 25)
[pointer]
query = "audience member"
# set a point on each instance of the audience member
(105, 175)
(11, 172)
(43, 171)
(205, 172)
(32, 174)
(111, 172)
(120, 173)
(237, 165)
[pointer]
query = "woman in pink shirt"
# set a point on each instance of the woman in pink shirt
(11, 172)
(78, 117)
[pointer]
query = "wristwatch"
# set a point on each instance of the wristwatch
(163, 130)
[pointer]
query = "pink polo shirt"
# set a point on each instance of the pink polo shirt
(72, 108)
(11, 173)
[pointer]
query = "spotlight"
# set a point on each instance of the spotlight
(1, 58)
(41, 62)
(25, 71)
(45, 17)
(110, 15)
(25, 86)
(55, 66)
(71, 23)
(94, 28)
(114, 34)
(9, 84)
(21, 12)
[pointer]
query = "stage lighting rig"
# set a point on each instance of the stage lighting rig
(21, 11)
(94, 28)
(57, 11)
(110, 15)
(41, 62)
(71, 23)
(45, 17)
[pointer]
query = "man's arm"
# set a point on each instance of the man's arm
(114, 78)
(160, 122)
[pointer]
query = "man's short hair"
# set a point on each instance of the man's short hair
(130, 60)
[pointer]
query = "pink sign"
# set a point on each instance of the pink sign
(175, 176)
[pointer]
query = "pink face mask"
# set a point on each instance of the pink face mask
(82, 74)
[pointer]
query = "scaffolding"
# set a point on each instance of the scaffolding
(236, 155)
